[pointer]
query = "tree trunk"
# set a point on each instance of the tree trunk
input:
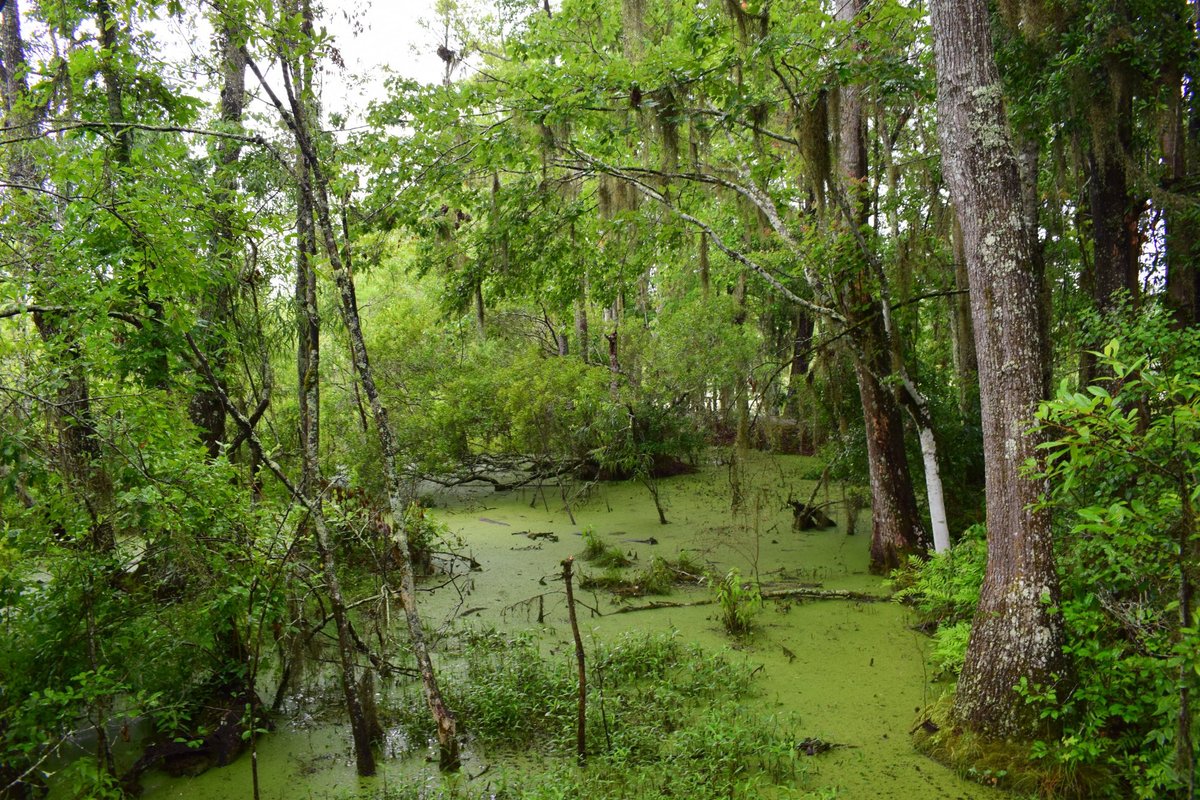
(580, 667)
(797, 374)
(1183, 227)
(614, 366)
(966, 367)
(205, 408)
(308, 359)
(302, 128)
(113, 92)
(896, 528)
(1114, 211)
(1015, 635)
(581, 325)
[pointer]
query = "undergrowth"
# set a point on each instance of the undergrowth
(658, 577)
(738, 601)
(664, 720)
(944, 589)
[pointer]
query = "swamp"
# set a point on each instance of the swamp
(608, 399)
(846, 672)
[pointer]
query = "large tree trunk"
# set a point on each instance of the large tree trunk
(896, 528)
(1114, 211)
(1182, 222)
(966, 367)
(895, 524)
(1015, 635)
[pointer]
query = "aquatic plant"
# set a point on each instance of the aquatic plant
(670, 723)
(510, 695)
(738, 603)
(597, 551)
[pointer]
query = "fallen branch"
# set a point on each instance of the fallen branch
(770, 594)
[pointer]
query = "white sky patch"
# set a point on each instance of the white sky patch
(372, 38)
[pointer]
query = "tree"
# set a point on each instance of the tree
(896, 529)
(1017, 635)
(314, 189)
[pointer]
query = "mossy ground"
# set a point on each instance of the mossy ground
(1007, 764)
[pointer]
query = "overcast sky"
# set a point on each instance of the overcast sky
(371, 35)
(388, 33)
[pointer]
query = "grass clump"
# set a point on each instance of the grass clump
(665, 720)
(611, 580)
(660, 576)
(640, 688)
(596, 551)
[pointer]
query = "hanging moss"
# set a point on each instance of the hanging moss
(604, 196)
(666, 113)
(812, 129)
(633, 27)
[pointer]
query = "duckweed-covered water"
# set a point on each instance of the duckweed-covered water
(846, 672)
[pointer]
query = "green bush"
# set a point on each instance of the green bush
(640, 687)
(945, 586)
(1124, 471)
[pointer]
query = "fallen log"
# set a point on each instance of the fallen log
(802, 593)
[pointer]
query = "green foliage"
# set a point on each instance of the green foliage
(945, 586)
(1124, 468)
(658, 577)
(950, 648)
(511, 695)
(738, 603)
(945, 590)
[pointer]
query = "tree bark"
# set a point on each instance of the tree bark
(966, 367)
(896, 529)
(580, 666)
(1113, 209)
(308, 358)
(113, 90)
(1015, 635)
(797, 374)
(1183, 226)
(581, 323)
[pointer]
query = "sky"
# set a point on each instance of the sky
(371, 34)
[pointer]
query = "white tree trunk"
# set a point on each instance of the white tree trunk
(933, 487)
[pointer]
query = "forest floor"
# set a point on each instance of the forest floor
(846, 671)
